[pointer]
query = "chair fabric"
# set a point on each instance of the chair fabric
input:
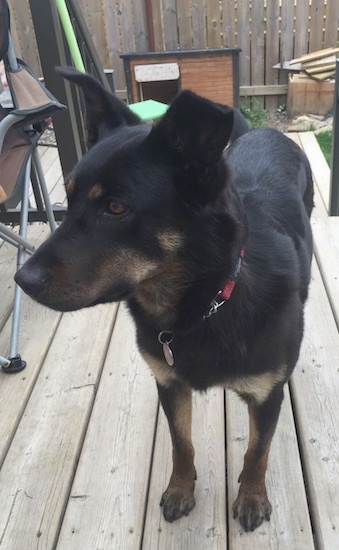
(15, 152)
(30, 97)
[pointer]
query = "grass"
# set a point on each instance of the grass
(255, 115)
(325, 142)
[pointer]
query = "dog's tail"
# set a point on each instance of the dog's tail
(240, 125)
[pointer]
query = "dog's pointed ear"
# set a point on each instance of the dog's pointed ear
(195, 128)
(194, 132)
(104, 111)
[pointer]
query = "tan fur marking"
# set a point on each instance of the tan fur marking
(126, 266)
(96, 192)
(132, 267)
(178, 499)
(253, 474)
(252, 505)
(170, 241)
(258, 386)
(160, 293)
(70, 186)
(164, 374)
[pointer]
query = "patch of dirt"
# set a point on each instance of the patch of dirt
(303, 123)
(278, 120)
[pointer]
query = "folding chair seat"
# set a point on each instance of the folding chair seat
(21, 125)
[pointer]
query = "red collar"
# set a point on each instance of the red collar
(225, 294)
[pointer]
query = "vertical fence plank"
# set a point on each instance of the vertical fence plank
(198, 18)
(257, 45)
(157, 25)
(184, 27)
(272, 49)
(316, 25)
(114, 47)
(140, 26)
(98, 30)
(287, 35)
(125, 17)
(331, 24)
(213, 24)
(116, 42)
(287, 31)
(23, 35)
(229, 23)
(302, 14)
(169, 17)
(244, 41)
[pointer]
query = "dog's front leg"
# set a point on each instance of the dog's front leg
(252, 505)
(178, 499)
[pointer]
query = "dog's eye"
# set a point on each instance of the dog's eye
(115, 208)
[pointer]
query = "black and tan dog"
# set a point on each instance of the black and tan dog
(211, 249)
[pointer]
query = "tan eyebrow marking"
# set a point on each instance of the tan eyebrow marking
(96, 192)
(170, 241)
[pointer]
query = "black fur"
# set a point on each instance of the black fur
(186, 207)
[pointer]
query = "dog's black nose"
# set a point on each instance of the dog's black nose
(33, 281)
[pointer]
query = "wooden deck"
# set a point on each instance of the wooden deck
(85, 450)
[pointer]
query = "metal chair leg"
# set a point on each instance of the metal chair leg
(44, 190)
(16, 240)
(16, 363)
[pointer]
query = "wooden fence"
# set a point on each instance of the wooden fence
(267, 31)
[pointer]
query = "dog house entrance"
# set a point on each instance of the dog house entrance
(159, 81)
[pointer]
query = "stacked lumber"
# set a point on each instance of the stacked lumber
(318, 65)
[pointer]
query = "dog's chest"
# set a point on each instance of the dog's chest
(200, 363)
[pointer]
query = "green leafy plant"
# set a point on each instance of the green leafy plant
(254, 112)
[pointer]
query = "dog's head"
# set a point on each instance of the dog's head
(135, 201)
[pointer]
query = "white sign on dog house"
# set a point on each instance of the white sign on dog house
(156, 72)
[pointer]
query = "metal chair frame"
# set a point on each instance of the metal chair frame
(26, 122)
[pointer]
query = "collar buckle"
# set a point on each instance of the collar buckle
(225, 294)
(215, 304)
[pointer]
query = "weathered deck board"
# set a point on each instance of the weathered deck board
(106, 505)
(326, 245)
(290, 522)
(7, 268)
(325, 228)
(38, 326)
(320, 168)
(317, 406)
(315, 390)
(36, 474)
(205, 527)
(78, 469)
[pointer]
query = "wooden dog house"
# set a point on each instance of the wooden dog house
(213, 74)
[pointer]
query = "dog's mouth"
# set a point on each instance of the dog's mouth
(69, 296)
(113, 295)
(81, 301)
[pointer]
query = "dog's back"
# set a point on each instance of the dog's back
(273, 177)
(263, 156)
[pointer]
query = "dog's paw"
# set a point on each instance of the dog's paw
(177, 502)
(251, 509)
